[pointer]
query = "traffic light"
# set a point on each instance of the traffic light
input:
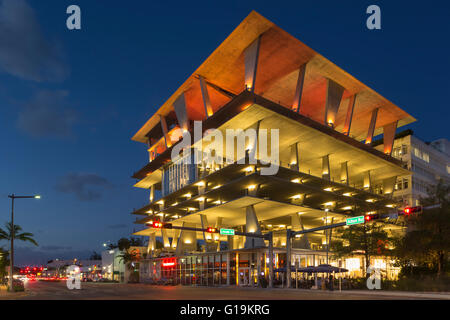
(211, 230)
(371, 217)
(160, 225)
(410, 210)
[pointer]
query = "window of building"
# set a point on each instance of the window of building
(421, 155)
(404, 149)
(405, 183)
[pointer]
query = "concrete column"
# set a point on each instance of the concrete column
(177, 233)
(326, 174)
(371, 130)
(367, 181)
(228, 269)
(187, 240)
(165, 131)
(252, 226)
(344, 172)
(333, 100)
(152, 193)
(218, 226)
(251, 54)
(389, 185)
(299, 89)
(205, 96)
(297, 225)
(349, 117)
(210, 246)
(165, 237)
(271, 259)
(294, 163)
(288, 258)
(389, 136)
(258, 267)
(181, 112)
(151, 244)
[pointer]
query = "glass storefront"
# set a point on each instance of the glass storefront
(240, 268)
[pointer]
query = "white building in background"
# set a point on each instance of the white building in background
(113, 267)
(58, 267)
(428, 161)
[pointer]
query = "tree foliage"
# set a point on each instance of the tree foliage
(427, 241)
(367, 239)
(5, 234)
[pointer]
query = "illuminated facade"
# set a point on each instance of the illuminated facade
(262, 78)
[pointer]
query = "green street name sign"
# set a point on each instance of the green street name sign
(227, 232)
(354, 220)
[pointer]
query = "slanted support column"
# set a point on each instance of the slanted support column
(367, 181)
(205, 96)
(373, 122)
(294, 160)
(333, 100)
(389, 185)
(299, 89)
(165, 237)
(187, 240)
(252, 226)
(301, 242)
(151, 244)
(389, 136)
(251, 55)
(349, 117)
(175, 238)
(181, 112)
(204, 222)
(152, 193)
(326, 167)
(344, 172)
(165, 131)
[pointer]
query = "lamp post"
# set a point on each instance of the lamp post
(11, 253)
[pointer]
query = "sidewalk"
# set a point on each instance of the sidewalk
(400, 294)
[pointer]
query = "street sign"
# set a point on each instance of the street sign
(354, 220)
(227, 232)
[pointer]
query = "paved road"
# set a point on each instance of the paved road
(100, 291)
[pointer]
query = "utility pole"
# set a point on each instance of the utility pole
(11, 252)
(12, 235)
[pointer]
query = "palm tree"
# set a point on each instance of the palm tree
(4, 262)
(18, 235)
(128, 257)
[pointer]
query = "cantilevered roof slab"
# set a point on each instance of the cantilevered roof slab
(280, 58)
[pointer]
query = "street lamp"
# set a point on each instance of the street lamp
(11, 253)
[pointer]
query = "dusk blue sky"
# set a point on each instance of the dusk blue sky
(70, 101)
